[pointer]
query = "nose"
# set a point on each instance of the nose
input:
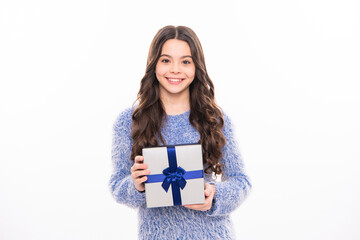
(175, 68)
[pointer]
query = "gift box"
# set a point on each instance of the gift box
(176, 175)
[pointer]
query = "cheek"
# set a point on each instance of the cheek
(190, 72)
(160, 70)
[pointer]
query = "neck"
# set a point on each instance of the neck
(176, 103)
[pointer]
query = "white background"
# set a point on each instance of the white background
(287, 73)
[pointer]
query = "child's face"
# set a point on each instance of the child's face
(175, 68)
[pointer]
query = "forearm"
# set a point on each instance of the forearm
(229, 195)
(124, 192)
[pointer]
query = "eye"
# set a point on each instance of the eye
(186, 62)
(165, 60)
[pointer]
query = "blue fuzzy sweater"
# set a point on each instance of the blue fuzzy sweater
(178, 222)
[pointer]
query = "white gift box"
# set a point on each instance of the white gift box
(176, 175)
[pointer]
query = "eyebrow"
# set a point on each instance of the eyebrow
(166, 55)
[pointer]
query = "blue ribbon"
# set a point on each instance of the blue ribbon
(154, 178)
(174, 176)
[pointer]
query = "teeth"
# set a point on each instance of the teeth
(174, 80)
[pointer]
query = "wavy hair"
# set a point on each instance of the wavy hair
(205, 115)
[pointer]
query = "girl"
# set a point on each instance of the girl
(176, 105)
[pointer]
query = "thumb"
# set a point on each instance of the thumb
(207, 193)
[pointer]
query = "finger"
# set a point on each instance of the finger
(190, 207)
(198, 207)
(139, 159)
(138, 174)
(208, 201)
(139, 166)
(207, 188)
(208, 191)
(194, 206)
(210, 188)
(141, 180)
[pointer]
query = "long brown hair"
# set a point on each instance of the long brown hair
(205, 115)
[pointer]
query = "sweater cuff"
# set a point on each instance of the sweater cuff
(215, 207)
(137, 196)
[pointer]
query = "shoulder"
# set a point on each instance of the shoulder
(123, 119)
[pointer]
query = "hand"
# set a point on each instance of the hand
(139, 172)
(209, 196)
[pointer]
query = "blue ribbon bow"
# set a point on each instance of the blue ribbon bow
(172, 177)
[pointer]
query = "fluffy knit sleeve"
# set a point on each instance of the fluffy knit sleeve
(235, 184)
(121, 184)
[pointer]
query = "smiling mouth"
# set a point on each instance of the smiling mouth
(175, 80)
